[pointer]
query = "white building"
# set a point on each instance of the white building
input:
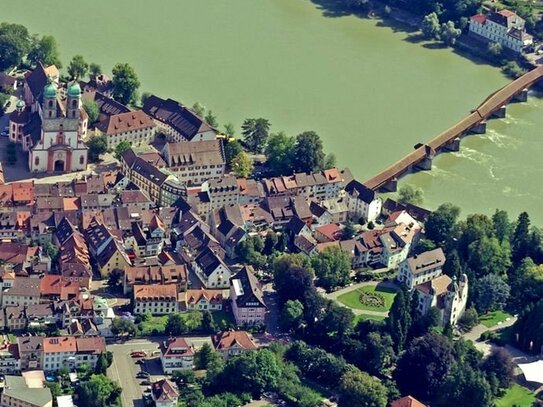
(50, 123)
(503, 27)
(421, 268)
(136, 127)
(362, 201)
(176, 354)
(211, 270)
(448, 296)
(157, 299)
(165, 393)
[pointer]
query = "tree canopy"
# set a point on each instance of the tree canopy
(44, 50)
(78, 68)
(125, 83)
(255, 134)
(14, 44)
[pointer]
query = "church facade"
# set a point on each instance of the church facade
(50, 123)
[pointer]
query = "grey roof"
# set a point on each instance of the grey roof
(247, 288)
(16, 387)
(426, 261)
(358, 189)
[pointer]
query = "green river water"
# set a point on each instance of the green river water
(362, 85)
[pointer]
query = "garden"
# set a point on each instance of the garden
(516, 395)
(371, 298)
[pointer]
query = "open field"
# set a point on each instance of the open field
(516, 396)
(493, 318)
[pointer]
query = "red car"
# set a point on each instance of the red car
(138, 354)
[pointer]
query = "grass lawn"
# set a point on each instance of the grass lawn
(516, 396)
(365, 317)
(155, 326)
(493, 318)
(352, 298)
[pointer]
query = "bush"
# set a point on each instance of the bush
(470, 318)
(513, 69)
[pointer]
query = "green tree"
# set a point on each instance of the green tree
(252, 372)
(490, 293)
(208, 323)
(125, 83)
(255, 134)
(144, 96)
(199, 110)
(528, 330)
(56, 389)
(308, 152)
(488, 256)
(520, 242)
(470, 318)
(502, 226)
(91, 107)
(229, 129)
(183, 377)
(453, 267)
(104, 361)
(176, 325)
(280, 153)
(495, 50)
(99, 391)
(293, 283)
(44, 50)
(14, 44)
(205, 356)
(94, 70)
(97, 146)
(448, 33)
(513, 69)
(329, 161)
(440, 223)
(378, 353)
(430, 26)
(423, 367)
(465, 386)
(332, 267)
(231, 149)
(358, 389)
(399, 319)
(499, 365)
(270, 242)
(121, 148)
(242, 165)
(123, 326)
(407, 194)
(78, 68)
(291, 315)
(211, 119)
(526, 281)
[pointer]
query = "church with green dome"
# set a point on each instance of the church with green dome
(50, 123)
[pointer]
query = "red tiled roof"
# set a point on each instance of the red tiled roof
(226, 340)
(407, 401)
(23, 191)
(479, 18)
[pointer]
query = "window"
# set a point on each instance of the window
(37, 161)
(82, 160)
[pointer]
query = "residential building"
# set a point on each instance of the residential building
(50, 123)
(15, 317)
(223, 191)
(447, 295)
(204, 300)
(250, 191)
(89, 350)
(58, 352)
(248, 304)
(176, 274)
(227, 225)
(30, 352)
(24, 291)
(28, 390)
(156, 299)
(211, 270)
(196, 162)
(147, 240)
(503, 27)
(177, 122)
(9, 357)
(232, 343)
(98, 84)
(165, 393)
(113, 257)
(362, 202)
(421, 267)
(136, 128)
(176, 354)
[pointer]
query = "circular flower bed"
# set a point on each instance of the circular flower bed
(371, 299)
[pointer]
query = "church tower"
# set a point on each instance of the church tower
(49, 107)
(73, 104)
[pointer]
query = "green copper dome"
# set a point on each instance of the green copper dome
(50, 91)
(20, 104)
(74, 90)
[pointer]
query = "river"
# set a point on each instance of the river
(369, 90)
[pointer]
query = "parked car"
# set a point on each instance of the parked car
(146, 382)
(143, 375)
(138, 354)
(139, 362)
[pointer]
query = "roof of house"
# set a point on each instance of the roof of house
(438, 286)
(228, 339)
(17, 388)
(156, 274)
(212, 296)
(407, 401)
(209, 261)
(173, 347)
(94, 345)
(164, 391)
(59, 344)
(38, 78)
(124, 122)
(175, 115)
(23, 191)
(207, 152)
(331, 231)
(422, 262)
(155, 292)
(24, 286)
(54, 285)
(362, 192)
(478, 18)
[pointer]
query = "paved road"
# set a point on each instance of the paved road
(478, 330)
(334, 295)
